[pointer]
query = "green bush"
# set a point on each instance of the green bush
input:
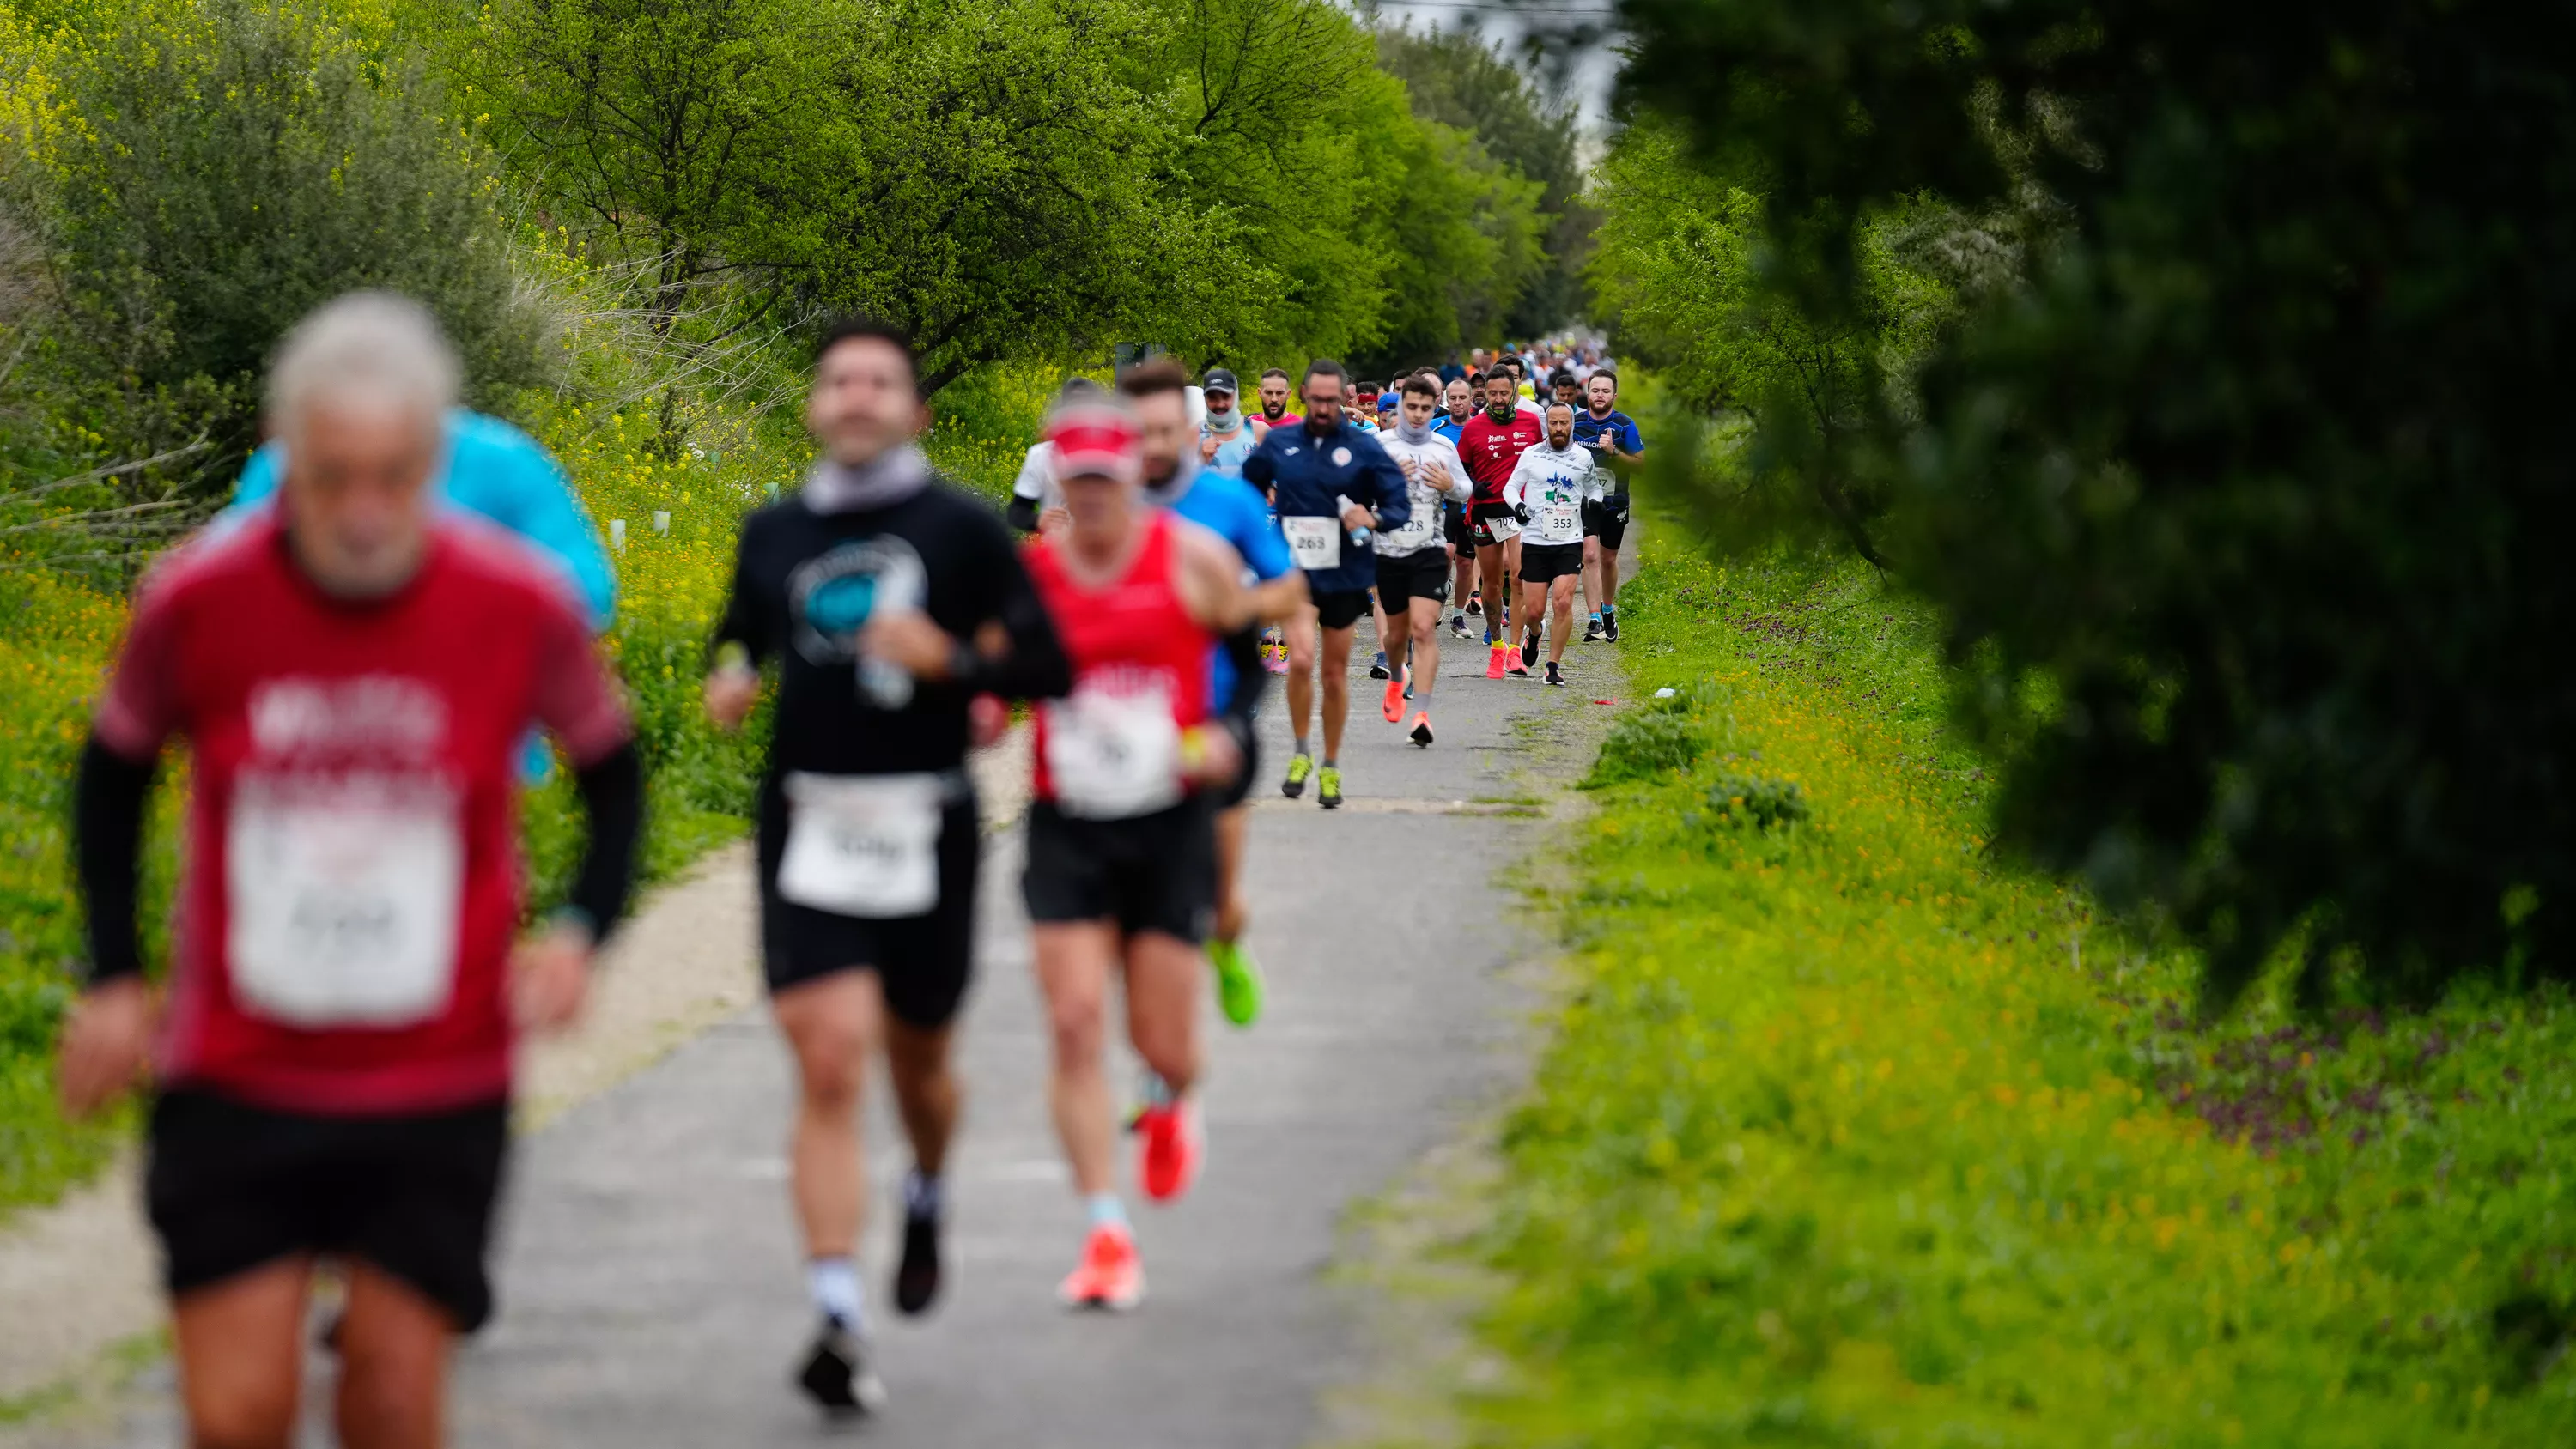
(1647, 743)
(1739, 797)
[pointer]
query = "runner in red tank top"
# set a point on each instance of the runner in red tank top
(1121, 843)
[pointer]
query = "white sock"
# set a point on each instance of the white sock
(1106, 1210)
(834, 1282)
(922, 1194)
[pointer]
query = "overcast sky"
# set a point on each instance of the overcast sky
(1505, 26)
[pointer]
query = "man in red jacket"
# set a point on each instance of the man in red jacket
(1492, 444)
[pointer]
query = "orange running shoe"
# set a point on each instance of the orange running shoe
(1110, 1275)
(1175, 1142)
(1494, 661)
(1422, 728)
(1393, 707)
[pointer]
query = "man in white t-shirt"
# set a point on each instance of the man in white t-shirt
(1413, 558)
(1547, 491)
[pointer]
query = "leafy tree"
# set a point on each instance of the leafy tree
(2240, 506)
(210, 171)
(1457, 79)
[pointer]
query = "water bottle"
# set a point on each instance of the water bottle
(885, 684)
(1359, 536)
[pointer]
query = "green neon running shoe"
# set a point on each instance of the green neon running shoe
(1328, 788)
(1239, 987)
(1299, 767)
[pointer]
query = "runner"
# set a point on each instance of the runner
(1331, 485)
(1413, 559)
(1614, 440)
(353, 670)
(1036, 502)
(1275, 385)
(1226, 438)
(1566, 388)
(1459, 399)
(889, 599)
(1121, 847)
(1492, 446)
(1548, 490)
(1234, 511)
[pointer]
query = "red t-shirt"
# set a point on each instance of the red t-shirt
(1493, 449)
(343, 931)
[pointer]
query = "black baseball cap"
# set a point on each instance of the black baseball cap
(1220, 380)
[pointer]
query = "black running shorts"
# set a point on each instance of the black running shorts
(231, 1187)
(1460, 534)
(1241, 790)
(1544, 563)
(922, 962)
(1422, 574)
(1607, 520)
(1494, 524)
(1341, 608)
(1153, 873)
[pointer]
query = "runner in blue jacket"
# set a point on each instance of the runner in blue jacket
(1333, 488)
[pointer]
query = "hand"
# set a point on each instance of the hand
(730, 695)
(987, 720)
(907, 638)
(1207, 448)
(1212, 758)
(1054, 519)
(105, 1043)
(550, 979)
(1358, 517)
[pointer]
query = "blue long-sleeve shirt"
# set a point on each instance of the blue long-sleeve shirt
(1306, 471)
(500, 473)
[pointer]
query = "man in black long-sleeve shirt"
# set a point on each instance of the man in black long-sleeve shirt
(889, 599)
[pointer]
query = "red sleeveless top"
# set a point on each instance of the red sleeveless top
(1129, 639)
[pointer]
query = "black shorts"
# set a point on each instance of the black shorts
(231, 1187)
(1606, 520)
(1545, 563)
(922, 962)
(1493, 524)
(1341, 608)
(1153, 873)
(1422, 574)
(1461, 535)
(1241, 790)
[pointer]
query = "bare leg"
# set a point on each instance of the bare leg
(1532, 608)
(1336, 662)
(1560, 598)
(1425, 649)
(1073, 962)
(1163, 974)
(241, 1356)
(1462, 578)
(1592, 572)
(831, 1023)
(1233, 917)
(925, 1090)
(1489, 565)
(1301, 670)
(1609, 595)
(393, 1364)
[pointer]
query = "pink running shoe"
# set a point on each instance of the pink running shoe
(1110, 1275)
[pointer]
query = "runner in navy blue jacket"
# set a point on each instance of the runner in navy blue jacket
(1332, 487)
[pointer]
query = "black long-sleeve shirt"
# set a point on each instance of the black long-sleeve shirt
(805, 583)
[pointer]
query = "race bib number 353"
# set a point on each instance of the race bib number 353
(343, 893)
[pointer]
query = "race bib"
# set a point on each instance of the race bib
(863, 845)
(1315, 542)
(1557, 518)
(1113, 757)
(343, 893)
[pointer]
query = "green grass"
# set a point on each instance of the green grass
(1850, 1134)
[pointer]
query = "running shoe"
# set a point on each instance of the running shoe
(1328, 790)
(1553, 676)
(1592, 630)
(916, 1278)
(1422, 728)
(1299, 767)
(1457, 626)
(1239, 988)
(1110, 1276)
(1377, 668)
(837, 1376)
(1175, 1144)
(1529, 650)
(1393, 708)
(1610, 627)
(1476, 602)
(1494, 660)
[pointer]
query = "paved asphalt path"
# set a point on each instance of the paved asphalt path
(651, 1293)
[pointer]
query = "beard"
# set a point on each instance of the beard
(1271, 414)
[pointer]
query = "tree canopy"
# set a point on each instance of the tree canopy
(2237, 491)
